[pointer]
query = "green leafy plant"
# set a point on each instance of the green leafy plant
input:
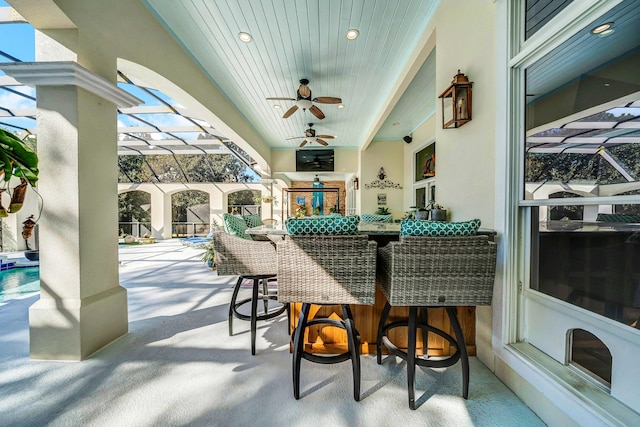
(267, 199)
(301, 211)
(209, 254)
(433, 205)
(383, 211)
(19, 160)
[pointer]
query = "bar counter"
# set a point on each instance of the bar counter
(331, 340)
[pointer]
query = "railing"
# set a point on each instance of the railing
(137, 229)
(245, 209)
(189, 229)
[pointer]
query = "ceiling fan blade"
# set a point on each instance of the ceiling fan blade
(290, 111)
(280, 99)
(321, 142)
(294, 137)
(327, 100)
(303, 143)
(325, 136)
(316, 112)
(304, 91)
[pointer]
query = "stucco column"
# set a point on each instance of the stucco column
(161, 214)
(81, 307)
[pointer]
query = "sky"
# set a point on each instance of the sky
(18, 40)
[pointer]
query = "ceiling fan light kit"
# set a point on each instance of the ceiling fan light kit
(305, 102)
(310, 136)
(456, 102)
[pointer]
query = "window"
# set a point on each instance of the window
(539, 12)
(582, 143)
(424, 166)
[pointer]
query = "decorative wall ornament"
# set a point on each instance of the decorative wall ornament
(382, 182)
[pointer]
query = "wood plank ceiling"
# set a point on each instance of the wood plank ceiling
(295, 40)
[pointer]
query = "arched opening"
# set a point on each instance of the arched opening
(134, 213)
(244, 202)
(590, 355)
(190, 213)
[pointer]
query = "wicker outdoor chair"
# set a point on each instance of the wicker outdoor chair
(331, 270)
(421, 272)
(251, 260)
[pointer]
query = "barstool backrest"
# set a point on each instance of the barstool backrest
(327, 269)
(438, 271)
(235, 256)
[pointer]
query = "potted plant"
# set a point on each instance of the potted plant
(420, 212)
(19, 160)
(209, 255)
(267, 199)
(383, 211)
(301, 211)
(438, 212)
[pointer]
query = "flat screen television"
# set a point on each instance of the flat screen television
(314, 160)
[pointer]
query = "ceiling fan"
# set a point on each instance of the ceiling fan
(304, 101)
(310, 136)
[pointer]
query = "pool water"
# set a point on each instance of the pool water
(18, 282)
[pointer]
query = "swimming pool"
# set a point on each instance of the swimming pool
(18, 282)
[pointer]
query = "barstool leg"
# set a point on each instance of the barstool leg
(232, 306)
(265, 295)
(383, 319)
(411, 356)
(354, 349)
(424, 321)
(298, 343)
(254, 314)
(462, 348)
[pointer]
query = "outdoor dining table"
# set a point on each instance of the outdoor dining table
(331, 340)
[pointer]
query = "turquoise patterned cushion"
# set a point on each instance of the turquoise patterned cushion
(376, 218)
(253, 220)
(412, 227)
(618, 218)
(235, 226)
(327, 226)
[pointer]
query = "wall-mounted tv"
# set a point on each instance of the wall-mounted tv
(314, 160)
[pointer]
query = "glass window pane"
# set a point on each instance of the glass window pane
(594, 265)
(539, 12)
(583, 110)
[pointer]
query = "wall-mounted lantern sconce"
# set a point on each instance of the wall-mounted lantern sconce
(356, 183)
(456, 102)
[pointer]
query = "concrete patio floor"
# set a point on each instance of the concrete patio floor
(178, 366)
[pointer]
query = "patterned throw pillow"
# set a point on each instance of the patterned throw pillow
(328, 226)
(235, 226)
(253, 220)
(376, 218)
(411, 227)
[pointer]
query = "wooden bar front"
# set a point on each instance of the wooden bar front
(333, 340)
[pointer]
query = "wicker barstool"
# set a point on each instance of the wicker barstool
(250, 260)
(330, 270)
(421, 272)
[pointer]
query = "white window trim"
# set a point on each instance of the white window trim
(586, 405)
(424, 183)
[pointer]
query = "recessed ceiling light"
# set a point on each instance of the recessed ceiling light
(151, 147)
(340, 106)
(602, 28)
(352, 34)
(245, 37)
(607, 84)
(277, 107)
(605, 33)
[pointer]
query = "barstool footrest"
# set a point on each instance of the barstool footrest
(424, 361)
